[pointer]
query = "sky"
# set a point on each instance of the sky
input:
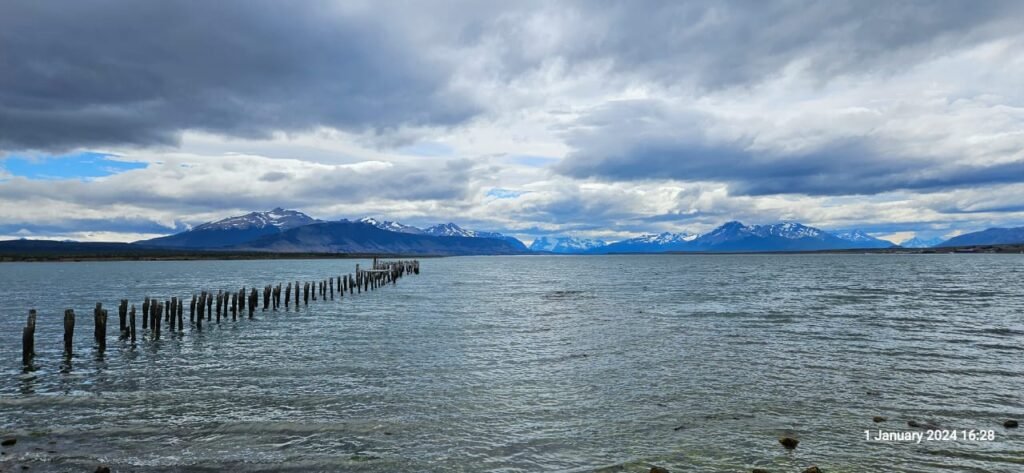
(123, 120)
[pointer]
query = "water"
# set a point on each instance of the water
(531, 364)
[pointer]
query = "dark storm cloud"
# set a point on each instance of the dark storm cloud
(644, 139)
(101, 72)
(714, 44)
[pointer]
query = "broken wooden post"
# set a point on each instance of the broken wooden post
(100, 320)
(192, 310)
(234, 306)
(131, 322)
(181, 324)
(69, 331)
(28, 339)
(287, 295)
(173, 318)
(145, 314)
(122, 315)
(155, 311)
(209, 307)
(253, 301)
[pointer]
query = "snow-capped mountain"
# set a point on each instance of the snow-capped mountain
(918, 242)
(279, 218)
(789, 236)
(453, 230)
(565, 244)
(234, 230)
(392, 226)
(449, 229)
(863, 240)
(650, 243)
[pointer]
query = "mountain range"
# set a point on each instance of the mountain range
(991, 236)
(281, 230)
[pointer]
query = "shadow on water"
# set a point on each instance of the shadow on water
(28, 378)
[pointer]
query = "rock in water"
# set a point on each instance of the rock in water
(658, 469)
(8, 441)
(758, 470)
(879, 419)
(789, 442)
(1010, 424)
(813, 469)
(103, 469)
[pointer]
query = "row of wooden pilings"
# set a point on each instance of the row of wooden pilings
(212, 307)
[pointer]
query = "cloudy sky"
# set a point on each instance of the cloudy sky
(121, 120)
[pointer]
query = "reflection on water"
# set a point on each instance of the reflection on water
(695, 363)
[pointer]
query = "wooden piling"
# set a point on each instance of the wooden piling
(145, 314)
(28, 339)
(192, 310)
(209, 307)
(173, 318)
(253, 301)
(122, 315)
(69, 331)
(181, 324)
(131, 322)
(100, 321)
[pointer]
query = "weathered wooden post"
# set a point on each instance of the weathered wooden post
(100, 321)
(28, 339)
(181, 323)
(287, 295)
(69, 331)
(266, 297)
(131, 322)
(192, 310)
(122, 315)
(209, 307)
(145, 314)
(234, 306)
(253, 301)
(220, 299)
(305, 293)
(155, 312)
(173, 322)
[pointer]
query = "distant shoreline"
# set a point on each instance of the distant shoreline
(124, 253)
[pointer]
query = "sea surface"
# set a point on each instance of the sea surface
(530, 364)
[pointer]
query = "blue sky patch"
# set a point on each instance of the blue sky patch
(504, 193)
(84, 165)
(533, 161)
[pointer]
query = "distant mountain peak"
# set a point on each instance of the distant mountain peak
(565, 244)
(919, 242)
(391, 226)
(278, 217)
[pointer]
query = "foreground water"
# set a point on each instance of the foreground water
(695, 363)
